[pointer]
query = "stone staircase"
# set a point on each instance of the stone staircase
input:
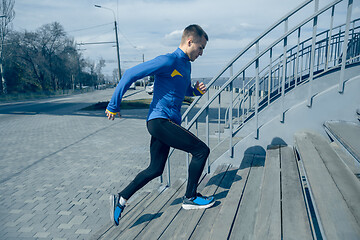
(306, 191)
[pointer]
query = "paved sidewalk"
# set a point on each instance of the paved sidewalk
(58, 168)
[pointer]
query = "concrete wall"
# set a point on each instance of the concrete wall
(328, 104)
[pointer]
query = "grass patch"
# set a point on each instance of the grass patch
(41, 94)
(188, 100)
(135, 104)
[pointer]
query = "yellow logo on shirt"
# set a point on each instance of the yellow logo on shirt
(175, 73)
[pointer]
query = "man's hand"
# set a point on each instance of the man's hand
(111, 116)
(200, 87)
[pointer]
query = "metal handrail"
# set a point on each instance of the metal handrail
(250, 45)
(279, 65)
(252, 61)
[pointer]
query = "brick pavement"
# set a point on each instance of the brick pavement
(59, 167)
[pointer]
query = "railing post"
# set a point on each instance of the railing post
(345, 45)
(243, 97)
(238, 108)
(312, 56)
(284, 74)
(161, 179)
(301, 62)
(270, 75)
(168, 172)
(231, 115)
(329, 39)
(219, 117)
(353, 35)
(297, 57)
(187, 154)
(257, 93)
(197, 128)
(207, 129)
(338, 43)
(278, 76)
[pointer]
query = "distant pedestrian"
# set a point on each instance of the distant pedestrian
(172, 83)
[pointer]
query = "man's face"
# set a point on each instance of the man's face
(196, 48)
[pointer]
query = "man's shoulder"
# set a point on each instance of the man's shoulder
(167, 59)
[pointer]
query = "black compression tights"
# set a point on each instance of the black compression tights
(166, 134)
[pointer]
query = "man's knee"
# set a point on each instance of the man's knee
(206, 150)
(154, 172)
(202, 151)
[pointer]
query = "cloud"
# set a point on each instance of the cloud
(154, 27)
(174, 34)
(172, 39)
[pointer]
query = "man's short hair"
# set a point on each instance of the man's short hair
(195, 31)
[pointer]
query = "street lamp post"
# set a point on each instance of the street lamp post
(117, 40)
(3, 83)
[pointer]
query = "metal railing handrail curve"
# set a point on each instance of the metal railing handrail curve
(273, 80)
(231, 79)
(250, 45)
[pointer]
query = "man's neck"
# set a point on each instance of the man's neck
(184, 49)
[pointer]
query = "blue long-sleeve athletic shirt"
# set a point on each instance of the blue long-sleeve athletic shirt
(172, 83)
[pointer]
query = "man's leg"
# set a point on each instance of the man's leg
(158, 153)
(178, 137)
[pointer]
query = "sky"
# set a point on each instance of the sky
(148, 28)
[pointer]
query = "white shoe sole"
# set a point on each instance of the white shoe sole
(192, 207)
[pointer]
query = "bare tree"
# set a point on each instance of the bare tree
(98, 70)
(53, 41)
(7, 14)
(115, 75)
(46, 60)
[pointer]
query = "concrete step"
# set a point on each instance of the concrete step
(347, 134)
(346, 142)
(132, 211)
(223, 221)
(264, 198)
(223, 182)
(334, 188)
(282, 210)
(154, 210)
(246, 195)
(159, 214)
(346, 158)
(185, 222)
(265, 201)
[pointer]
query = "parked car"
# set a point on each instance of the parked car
(149, 88)
(133, 86)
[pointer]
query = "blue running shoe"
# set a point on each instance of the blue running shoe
(198, 202)
(115, 209)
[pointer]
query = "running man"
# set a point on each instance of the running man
(172, 83)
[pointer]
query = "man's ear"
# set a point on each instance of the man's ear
(189, 41)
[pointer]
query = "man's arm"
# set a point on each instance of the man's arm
(131, 75)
